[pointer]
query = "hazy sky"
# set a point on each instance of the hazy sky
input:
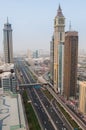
(32, 21)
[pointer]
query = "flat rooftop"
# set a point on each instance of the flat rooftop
(7, 66)
(5, 74)
(9, 113)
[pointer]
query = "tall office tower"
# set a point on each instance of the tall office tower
(70, 63)
(52, 58)
(82, 97)
(59, 35)
(8, 46)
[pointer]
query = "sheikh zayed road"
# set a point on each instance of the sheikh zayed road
(47, 112)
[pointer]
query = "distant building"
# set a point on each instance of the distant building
(52, 58)
(1, 61)
(70, 63)
(59, 37)
(43, 53)
(29, 54)
(36, 54)
(82, 97)
(7, 41)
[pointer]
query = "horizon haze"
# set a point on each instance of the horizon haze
(33, 22)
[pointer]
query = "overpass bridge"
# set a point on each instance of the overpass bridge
(32, 85)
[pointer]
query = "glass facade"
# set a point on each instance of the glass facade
(9, 83)
(60, 71)
(7, 41)
(6, 84)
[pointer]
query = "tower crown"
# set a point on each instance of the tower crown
(7, 25)
(59, 19)
(59, 12)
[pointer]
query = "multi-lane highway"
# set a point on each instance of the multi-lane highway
(43, 118)
(71, 113)
(28, 78)
(47, 114)
(53, 114)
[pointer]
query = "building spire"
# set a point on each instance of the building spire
(59, 8)
(59, 11)
(7, 20)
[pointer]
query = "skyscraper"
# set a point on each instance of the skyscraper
(59, 35)
(82, 97)
(52, 58)
(7, 41)
(70, 63)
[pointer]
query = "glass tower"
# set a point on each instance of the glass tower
(7, 41)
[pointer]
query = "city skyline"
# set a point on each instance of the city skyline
(41, 72)
(35, 19)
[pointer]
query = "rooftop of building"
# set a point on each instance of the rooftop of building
(9, 113)
(83, 83)
(7, 25)
(5, 75)
(7, 66)
(71, 33)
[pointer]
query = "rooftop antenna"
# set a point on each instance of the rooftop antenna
(7, 20)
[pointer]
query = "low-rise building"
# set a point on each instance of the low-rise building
(8, 80)
(11, 112)
(11, 108)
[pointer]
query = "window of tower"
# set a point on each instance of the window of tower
(55, 21)
(55, 74)
(60, 36)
